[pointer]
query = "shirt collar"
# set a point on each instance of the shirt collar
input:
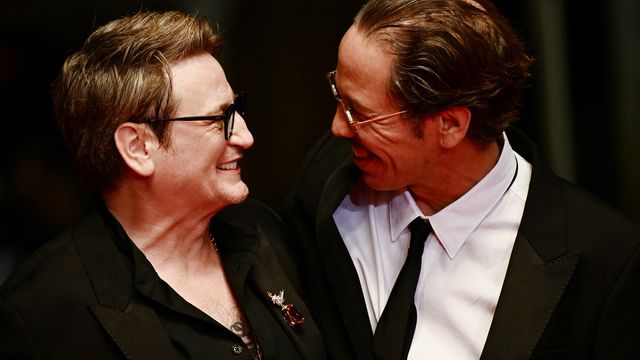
(148, 283)
(453, 224)
(402, 210)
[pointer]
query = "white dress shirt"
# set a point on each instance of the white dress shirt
(464, 262)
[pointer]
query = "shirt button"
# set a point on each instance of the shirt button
(236, 349)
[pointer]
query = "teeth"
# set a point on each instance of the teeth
(229, 166)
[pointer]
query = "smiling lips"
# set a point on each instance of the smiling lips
(229, 166)
(358, 152)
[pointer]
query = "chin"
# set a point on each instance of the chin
(380, 184)
(239, 194)
(230, 195)
(241, 198)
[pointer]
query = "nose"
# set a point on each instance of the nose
(241, 135)
(340, 126)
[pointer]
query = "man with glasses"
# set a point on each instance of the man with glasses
(428, 229)
(153, 270)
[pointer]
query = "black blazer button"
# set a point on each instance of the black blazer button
(237, 349)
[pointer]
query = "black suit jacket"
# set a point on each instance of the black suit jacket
(74, 298)
(572, 288)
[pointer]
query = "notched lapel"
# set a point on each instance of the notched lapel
(134, 328)
(136, 331)
(342, 275)
(540, 267)
(531, 291)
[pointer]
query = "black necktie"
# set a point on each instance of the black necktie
(394, 332)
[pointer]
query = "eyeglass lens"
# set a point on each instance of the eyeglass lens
(237, 106)
(331, 76)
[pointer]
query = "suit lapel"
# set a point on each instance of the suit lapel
(134, 328)
(342, 276)
(539, 269)
(267, 275)
(531, 291)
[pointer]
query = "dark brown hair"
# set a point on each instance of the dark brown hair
(122, 74)
(451, 53)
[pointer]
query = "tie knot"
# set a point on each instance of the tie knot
(420, 229)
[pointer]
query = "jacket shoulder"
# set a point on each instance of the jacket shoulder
(55, 260)
(327, 154)
(43, 306)
(590, 217)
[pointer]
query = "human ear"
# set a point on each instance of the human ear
(135, 143)
(453, 126)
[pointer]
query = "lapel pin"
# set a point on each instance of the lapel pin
(291, 315)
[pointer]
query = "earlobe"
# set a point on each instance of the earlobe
(134, 142)
(454, 124)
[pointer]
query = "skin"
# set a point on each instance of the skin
(167, 195)
(438, 167)
(200, 163)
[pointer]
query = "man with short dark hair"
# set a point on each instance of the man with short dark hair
(427, 229)
(153, 270)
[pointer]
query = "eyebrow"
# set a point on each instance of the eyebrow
(360, 108)
(354, 104)
(219, 108)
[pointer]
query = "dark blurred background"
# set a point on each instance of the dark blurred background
(582, 107)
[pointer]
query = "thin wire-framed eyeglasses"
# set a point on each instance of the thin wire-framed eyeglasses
(228, 118)
(331, 78)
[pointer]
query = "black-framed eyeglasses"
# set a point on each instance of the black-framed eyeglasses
(331, 77)
(228, 118)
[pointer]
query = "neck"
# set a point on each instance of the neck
(456, 171)
(168, 237)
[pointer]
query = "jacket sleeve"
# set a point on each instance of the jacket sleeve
(16, 341)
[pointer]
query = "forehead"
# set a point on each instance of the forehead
(199, 85)
(364, 66)
(358, 47)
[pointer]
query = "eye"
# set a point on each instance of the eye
(356, 114)
(216, 125)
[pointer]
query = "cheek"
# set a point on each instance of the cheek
(377, 142)
(386, 148)
(401, 158)
(213, 153)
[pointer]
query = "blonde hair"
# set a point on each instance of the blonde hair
(121, 74)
